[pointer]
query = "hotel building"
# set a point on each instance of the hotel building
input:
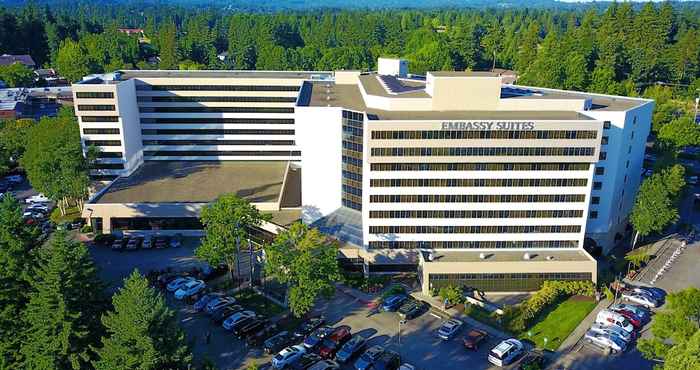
(454, 175)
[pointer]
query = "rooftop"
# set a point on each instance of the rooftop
(464, 74)
(198, 182)
(7, 59)
(507, 256)
(306, 75)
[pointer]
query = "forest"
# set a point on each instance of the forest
(621, 49)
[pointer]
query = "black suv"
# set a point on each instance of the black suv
(306, 361)
(258, 337)
(308, 326)
(276, 343)
(253, 326)
(412, 309)
(389, 360)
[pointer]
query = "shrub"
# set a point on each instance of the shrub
(609, 295)
(551, 292)
(86, 229)
(451, 294)
(394, 290)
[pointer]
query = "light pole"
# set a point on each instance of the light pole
(401, 322)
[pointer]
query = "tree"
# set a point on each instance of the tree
(65, 302)
(306, 261)
(492, 42)
(17, 240)
(680, 132)
(676, 337)
(142, 331)
(226, 222)
(72, 60)
(54, 160)
(16, 75)
(14, 136)
(167, 45)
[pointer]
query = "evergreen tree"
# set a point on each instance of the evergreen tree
(167, 45)
(16, 258)
(142, 331)
(65, 302)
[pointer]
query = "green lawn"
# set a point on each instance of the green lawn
(71, 214)
(556, 324)
(261, 305)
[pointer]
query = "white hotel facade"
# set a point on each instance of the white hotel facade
(454, 175)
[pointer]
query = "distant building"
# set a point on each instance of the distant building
(135, 32)
(508, 76)
(33, 103)
(7, 59)
(50, 76)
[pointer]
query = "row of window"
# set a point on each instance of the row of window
(99, 118)
(478, 198)
(204, 121)
(109, 154)
(96, 107)
(354, 116)
(452, 135)
(207, 131)
(101, 131)
(217, 87)
(508, 282)
(218, 142)
(472, 244)
(351, 187)
(214, 110)
(477, 182)
(479, 166)
(217, 99)
(103, 143)
(352, 175)
(94, 95)
(107, 166)
(220, 153)
(474, 151)
(485, 229)
(558, 213)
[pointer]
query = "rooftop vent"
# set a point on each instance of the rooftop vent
(482, 256)
(527, 256)
(431, 257)
(550, 258)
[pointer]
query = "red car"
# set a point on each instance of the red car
(333, 342)
(631, 317)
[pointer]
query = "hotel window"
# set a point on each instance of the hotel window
(595, 200)
(479, 151)
(477, 182)
(625, 180)
(216, 87)
(594, 214)
(606, 125)
(103, 142)
(600, 171)
(243, 121)
(109, 155)
(494, 229)
(223, 99)
(479, 166)
(206, 131)
(99, 119)
(96, 107)
(101, 131)
(94, 95)
(603, 156)
(107, 166)
(634, 120)
(629, 149)
(627, 164)
(604, 140)
(212, 110)
(597, 185)
(477, 198)
(218, 142)
(221, 153)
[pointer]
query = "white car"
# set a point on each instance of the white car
(640, 298)
(609, 342)
(178, 282)
(39, 198)
(613, 330)
(236, 318)
(506, 352)
(287, 356)
(38, 207)
(449, 328)
(189, 289)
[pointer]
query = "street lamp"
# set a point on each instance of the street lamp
(401, 322)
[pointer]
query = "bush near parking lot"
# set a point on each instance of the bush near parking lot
(451, 294)
(550, 293)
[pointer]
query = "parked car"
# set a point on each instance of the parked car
(277, 342)
(449, 328)
(305, 361)
(640, 311)
(219, 302)
(178, 282)
(39, 198)
(309, 326)
(473, 338)
(325, 365)
(287, 356)
(692, 180)
(104, 239)
(38, 207)
(533, 360)
(640, 298)
(164, 279)
(147, 242)
(176, 241)
(607, 317)
(655, 293)
(223, 313)
(14, 179)
(317, 336)
(369, 357)
(235, 318)
(134, 243)
(506, 352)
(243, 322)
(389, 360)
(119, 243)
(161, 242)
(407, 366)
(352, 347)
(614, 331)
(611, 343)
(191, 288)
(412, 308)
(332, 343)
(245, 330)
(631, 317)
(203, 300)
(392, 303)
(257, 338)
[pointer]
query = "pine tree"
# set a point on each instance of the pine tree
(16, 257)
(142, 331)
(65, 302)
(169, 56)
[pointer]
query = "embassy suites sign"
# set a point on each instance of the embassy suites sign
(488, 125)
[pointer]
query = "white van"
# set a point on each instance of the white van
(610, 318)
(506, 352)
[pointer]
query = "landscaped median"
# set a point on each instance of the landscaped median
(553, 312)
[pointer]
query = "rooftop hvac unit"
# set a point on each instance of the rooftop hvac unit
(527, 256)
(482, 256)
